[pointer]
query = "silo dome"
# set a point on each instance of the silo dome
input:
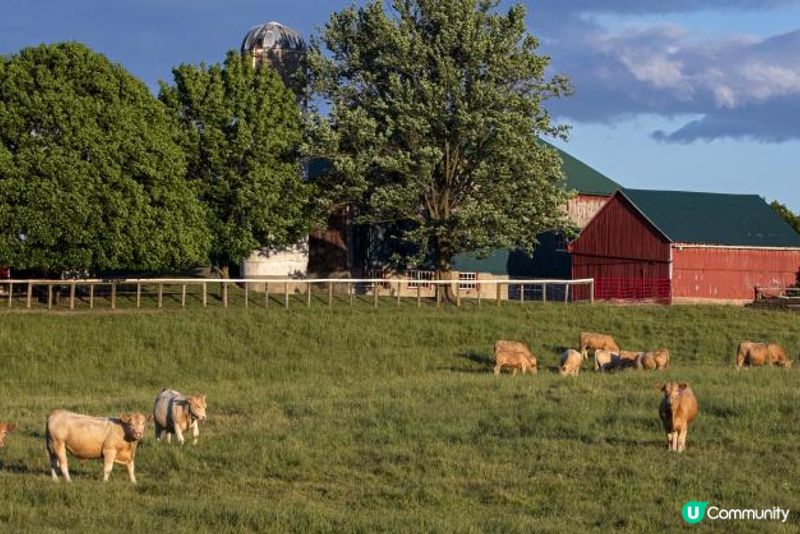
(272, 36)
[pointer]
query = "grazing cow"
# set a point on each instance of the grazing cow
(5, 428)
(515, 355)
(757, 354)
(657, 359)
(627, 358)
(678, 408)
(175, 413)
(593, 341)
(605, 360)
(114, 439)
(570, 362)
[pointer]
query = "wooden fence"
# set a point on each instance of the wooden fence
(91, 290)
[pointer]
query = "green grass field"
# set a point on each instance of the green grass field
(358, 420)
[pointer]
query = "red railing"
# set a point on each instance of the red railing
(632, 288)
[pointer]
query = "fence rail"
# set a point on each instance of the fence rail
(87, 292)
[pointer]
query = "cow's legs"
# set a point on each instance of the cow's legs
(674, 444)
(159, 431)
(169, 437)
(61, 454)
(108, 462)
(195, 431)
(131, 474)
(179, 434)
(53, 465)
(682, 440)
(496, 369)
(514, 371)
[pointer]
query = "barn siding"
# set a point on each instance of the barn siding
(730, 273)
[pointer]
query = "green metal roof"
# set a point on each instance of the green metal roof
(583, 178)
(713, 218)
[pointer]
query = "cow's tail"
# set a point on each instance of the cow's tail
(47, 439)
(740, 354)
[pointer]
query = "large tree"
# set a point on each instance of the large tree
(90, 175)
(241, 130)
(434, 111)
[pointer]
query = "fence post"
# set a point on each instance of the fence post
(30, 293)
(72, 296)
(266, 294)
(225, 294)
(138, 294)
(286, 294)
(591, 291)
(497, 286)
(330, 294)
(375, 290)
(351, 292)
(246, 295)
(10, 293)
(183, 296)
(544, 292)
(113, 295)
(478, 289)
(566, 292)
(437, 295)
(160, 294)
(205, 294)
(419, 295)
(458, 294)
(398, 293)
(308, 296)
(521, 293)
(49, 296)
(91, 296)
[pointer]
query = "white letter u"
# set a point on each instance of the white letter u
(693, 512)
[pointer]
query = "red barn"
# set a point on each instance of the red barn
(678, 246)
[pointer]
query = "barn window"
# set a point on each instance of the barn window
(467, 280)
(418, 278)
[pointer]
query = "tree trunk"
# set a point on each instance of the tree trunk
(224, 270)
(443, 270)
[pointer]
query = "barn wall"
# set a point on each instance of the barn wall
(581, 208)
(730, 273)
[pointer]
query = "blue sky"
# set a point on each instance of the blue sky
(680, 94)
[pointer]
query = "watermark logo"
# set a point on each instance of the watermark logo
(694, 511)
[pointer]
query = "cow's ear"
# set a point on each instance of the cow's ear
(125, 418)
(683, 385)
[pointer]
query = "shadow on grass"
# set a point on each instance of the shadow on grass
(17, 468)
(484, 363)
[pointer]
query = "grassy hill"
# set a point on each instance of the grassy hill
(354, 419)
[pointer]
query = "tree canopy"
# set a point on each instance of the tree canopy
(90, 175)
(435, 109)
(787, 215)
(241, 129)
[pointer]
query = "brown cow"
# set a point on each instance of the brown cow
(5, 428)
(627, 358)
(114, 439)
(757, 354)
(570, 362)
(515, 355)
(593, 341)
(678, 408)
(657, 359)
(176, 413)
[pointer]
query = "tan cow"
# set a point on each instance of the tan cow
(757, 354)
(593, 341)
(5, 428)
(677, 410)
(515, 355)
(657, 359)
(605, 360)
(114, 439)
(627, 358)
(175, 413)
(570, 362)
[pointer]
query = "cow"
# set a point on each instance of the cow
(569, 363)
(677, 410)
(657, 359)
(593, 341)
(515, 355)
(605, 360)
(757, 354)
(175, 413)
(5, 428)
(627, 358)
(114, 439)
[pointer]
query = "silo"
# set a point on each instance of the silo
(277, 46)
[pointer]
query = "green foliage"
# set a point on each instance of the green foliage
(390, 420)
(435, 109)
(90, 177)
(787, 215)
(241, 128)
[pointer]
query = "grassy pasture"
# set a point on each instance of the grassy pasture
(354, 419)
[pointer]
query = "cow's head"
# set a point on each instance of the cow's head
(788, 363)
(197, 405)
(134, 424)
(5, 428)
(672, 390)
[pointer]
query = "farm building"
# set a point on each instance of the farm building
(678, 246)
